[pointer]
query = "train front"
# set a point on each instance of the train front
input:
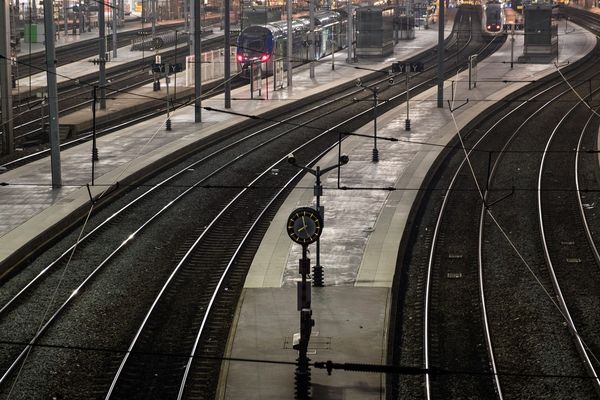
(493, 17)
(254, 45)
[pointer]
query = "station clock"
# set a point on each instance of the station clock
(304, 225)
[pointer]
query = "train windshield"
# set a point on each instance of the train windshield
(252, 42)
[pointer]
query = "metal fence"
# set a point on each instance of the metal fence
(213, 66)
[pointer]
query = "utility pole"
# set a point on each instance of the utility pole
(290, 44)
(440, 57)
(94, 148)
(176, 69)
(88, 15)
(115, 15)
(197, 63)
(52, 95)
(102, 54)
(81, 18)
(168, 122)
(349, 32)
(407, 120)
(191, 30)
(375, 91)
(227, 63)
(153, 8)
(65, 11)
(186, 16)
(8, 144)
(512, 45)
(311, 46)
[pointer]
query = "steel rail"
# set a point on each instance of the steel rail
(125, 242)
(584, 218)
(481, 228)
(243, 241)
(119, 72)
(427, 291)
(449, 43)
(77, 290)
(76, 87)
(483, 211)
(201, 236)
(65, 254)
(90, 234)
(581, 346)
(208, 309)
(27, 60)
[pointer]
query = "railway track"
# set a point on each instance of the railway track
(72, 93)
(581, 17)
(483, 296)
(138, 274)
(75, 94)
(29, 64)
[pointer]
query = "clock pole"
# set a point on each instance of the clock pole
(306, 323)
(318, 192)
(304, 226)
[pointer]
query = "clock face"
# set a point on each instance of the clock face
(304, 225)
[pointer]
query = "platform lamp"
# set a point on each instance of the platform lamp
(318, 192)
(175, 84)
(375, 91)
(168, 122)
(95, 157)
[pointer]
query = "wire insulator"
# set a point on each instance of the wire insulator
(302, 378)
(317, 275)
(375, 155)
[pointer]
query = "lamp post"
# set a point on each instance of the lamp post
(114, 28)
(42, 105)
(318, 192)
(375, 91)
(407, 120)
(94, 148)
(175, 84)
(167, 70)
(304, 226)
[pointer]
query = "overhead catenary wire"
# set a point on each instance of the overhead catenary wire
(347, 366)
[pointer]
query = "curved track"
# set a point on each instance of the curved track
(486, 290)
(30, 112)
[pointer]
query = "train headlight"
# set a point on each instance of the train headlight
(265, 57)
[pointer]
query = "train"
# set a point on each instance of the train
(265, 43)
(268, 42)
(493, 17)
